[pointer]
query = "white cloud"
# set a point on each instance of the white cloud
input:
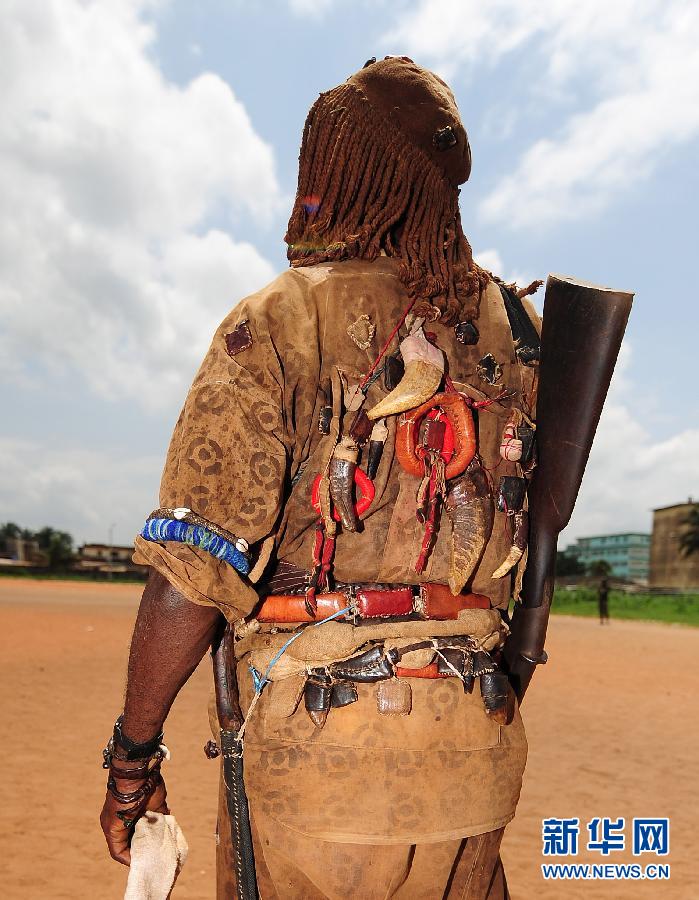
(626, 75)
(629, 474)
(310, 9)
(491, 260)
(76, 490)
(108, 176)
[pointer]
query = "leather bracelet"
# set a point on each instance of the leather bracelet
(134, 750)
(128, 797)
(134, 799)
(138, 773)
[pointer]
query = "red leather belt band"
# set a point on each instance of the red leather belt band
(287, 609)
(430, 671)
(425, 601)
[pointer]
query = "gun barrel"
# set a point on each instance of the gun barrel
(582, 331)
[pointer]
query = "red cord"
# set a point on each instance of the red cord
(387, 344)
(482, 404)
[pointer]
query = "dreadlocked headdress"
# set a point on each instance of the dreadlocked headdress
(381, 159)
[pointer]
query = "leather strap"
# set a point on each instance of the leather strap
(425, 601)
(132, 750)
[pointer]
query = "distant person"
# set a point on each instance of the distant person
(603, 601)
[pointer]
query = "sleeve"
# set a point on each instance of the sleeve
(227, 463)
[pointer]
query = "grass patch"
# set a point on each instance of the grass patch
(680, 608)
(70, 576)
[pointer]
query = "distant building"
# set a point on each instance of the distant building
(107, 559)
(669, 568)
(23, 553)
(627, 554)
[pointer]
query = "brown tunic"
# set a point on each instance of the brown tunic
(244, 454)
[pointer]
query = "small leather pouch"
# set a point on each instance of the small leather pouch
(450, 660)
(372, 665)
(394, 697)
(438, 602)
(443, 717)
(379, 604)
(291, 608)
(343, 693)
(496, 693)
(317, 694)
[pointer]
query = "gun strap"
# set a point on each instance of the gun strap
(524, 334)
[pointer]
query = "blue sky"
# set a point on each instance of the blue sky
(149, 155)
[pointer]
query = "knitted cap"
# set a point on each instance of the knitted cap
(422, 107)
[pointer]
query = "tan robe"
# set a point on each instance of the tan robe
(244, 454)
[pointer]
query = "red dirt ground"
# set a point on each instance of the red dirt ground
(610, 724)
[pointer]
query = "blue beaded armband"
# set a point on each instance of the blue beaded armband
(196, 536)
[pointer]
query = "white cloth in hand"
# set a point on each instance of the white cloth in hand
(158, 852)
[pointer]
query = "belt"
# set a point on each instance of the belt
(406, 602)
(458, 656)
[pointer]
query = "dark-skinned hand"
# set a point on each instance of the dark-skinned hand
(118, 837)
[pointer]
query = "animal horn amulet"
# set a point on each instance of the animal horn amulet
(363, 484)
(459, 421)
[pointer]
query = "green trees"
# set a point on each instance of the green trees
(567, 563)
(57, 545)
(11, 530)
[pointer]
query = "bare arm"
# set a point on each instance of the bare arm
(170, 638)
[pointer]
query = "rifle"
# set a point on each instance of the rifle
(583, 326)
(230, 720)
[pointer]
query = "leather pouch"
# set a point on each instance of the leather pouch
(394, 697)
(316, 695)
(438, 602)
(378, 604)
(372, 665)
(448, 660)
(344, 693)
(282, 608)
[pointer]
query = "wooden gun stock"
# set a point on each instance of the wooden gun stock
(230, 718)
(582, 331)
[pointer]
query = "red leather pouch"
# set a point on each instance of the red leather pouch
(375, 604)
